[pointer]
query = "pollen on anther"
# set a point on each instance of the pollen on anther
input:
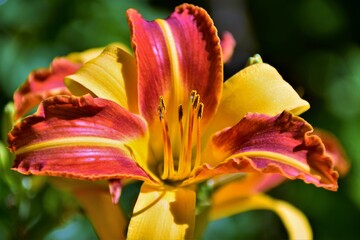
(161, 108)
(162, 103)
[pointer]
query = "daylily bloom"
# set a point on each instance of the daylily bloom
(165, 117)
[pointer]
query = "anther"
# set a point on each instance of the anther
(181, 112)
(200, 110)
(160, 112)
(161, 108)
(162, 103)
(181, 125)
(192, 95)
(196, 101)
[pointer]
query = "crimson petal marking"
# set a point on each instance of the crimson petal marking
(79, 137)
(43, 83)
(281, 144)
(175, 56)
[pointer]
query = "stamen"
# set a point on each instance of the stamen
(161, 114)
(201, 110)
(162, 103)
(168, 171)
(185, 160)
(181, 113)
(188, 130)
(184, 140)
(198, 138)
(192, 95)
(189, 142)
(196, 101)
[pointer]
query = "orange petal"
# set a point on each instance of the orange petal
(174, 57)
(43, 83)
(281, 144)
(81, 137)
(335, 150)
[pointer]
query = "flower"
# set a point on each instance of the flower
(165, 117)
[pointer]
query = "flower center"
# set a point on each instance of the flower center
(189, 128)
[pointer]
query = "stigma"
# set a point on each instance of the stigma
(189, 122)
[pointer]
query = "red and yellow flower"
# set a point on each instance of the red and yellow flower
(164, 116)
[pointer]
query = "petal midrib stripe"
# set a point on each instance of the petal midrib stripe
(71, 142)
(173, 55)
(276, 157)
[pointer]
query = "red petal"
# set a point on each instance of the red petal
(79, 137)
(228, 44)
(281, 144)
(335, 150)
(176, 56)
(115, 186)
(43, 83)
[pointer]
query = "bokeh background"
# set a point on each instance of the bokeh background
(314, 44)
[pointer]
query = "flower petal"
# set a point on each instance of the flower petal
(115, 187)
(85, 56)
(81, 137)
(167, 213)
(247, 185)
(228, 44)
(258, 88)
(107, 218)
(281, 144)
(335, 150)
(294, 220)
(43, 83)
(174, 57)
(111, 75)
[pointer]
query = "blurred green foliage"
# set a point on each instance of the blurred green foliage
(314, 44)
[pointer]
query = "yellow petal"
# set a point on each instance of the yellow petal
(258, 88)
(163, 213)
(293, 219)
(85, 56)
(106, 217)
(111, 75)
